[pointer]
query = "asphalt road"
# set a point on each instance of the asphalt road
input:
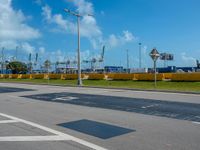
(36, 117)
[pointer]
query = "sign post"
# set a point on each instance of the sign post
(154, 54)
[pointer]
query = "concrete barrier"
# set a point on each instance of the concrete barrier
(167, 76)
(186, 77)
(13, 76)
(149, 77)
(117, 76)
(52, 76)
(96, 76)
(120, 76)
(24, 76)
(37, 76)
(71, 76)
(1, 76)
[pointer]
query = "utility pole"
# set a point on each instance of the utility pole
(140, 55)
(127, 60)
(78, 50)
(16, 52)
(2, 59)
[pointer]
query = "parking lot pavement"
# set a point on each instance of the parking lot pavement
(176, 110)
(85, 118)
(10, 89)
(26, 131)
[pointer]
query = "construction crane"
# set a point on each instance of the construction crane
(68, 64)
(94, 60)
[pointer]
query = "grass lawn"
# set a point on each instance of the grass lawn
(161, 85)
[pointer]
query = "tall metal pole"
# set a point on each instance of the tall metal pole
(154, 54)
(78, 50)
(2, 59)
(79, 58)
(16, 53)
(155, 76)
(140, 56)
(127, 61)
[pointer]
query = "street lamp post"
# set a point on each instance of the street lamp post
(16, 53)
(127, 60)
(140, 56)
(2, 60)
(78, 50)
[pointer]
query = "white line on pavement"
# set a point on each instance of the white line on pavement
(32, 138)
(8, 121)
(60, 135)
(196, 123)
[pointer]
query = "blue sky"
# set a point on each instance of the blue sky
(42, 26)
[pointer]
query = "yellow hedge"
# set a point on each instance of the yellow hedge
(186, 77)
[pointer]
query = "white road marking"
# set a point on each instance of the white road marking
(67, 98)
(196, 123)
(8, 121)
(32, 138)
(149, 106)
(58, 135)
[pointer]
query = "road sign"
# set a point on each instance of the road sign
(154, 54)
(166, 56)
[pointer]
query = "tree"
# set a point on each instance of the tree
(17, 67)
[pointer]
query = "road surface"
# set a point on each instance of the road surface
(42, 117)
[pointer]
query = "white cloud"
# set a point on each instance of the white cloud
(46, 12)
(15, 32)
(42, 50)
(88, 25)
(26, 47)
(9, 44)
(39, 2)
(188, 60)
(63, 25)
(12, 24)
(113, 40)
(84, 7)
(126, 37)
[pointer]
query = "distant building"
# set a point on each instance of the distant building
(113, 69)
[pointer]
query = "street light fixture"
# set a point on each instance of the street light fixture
(78, 51)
